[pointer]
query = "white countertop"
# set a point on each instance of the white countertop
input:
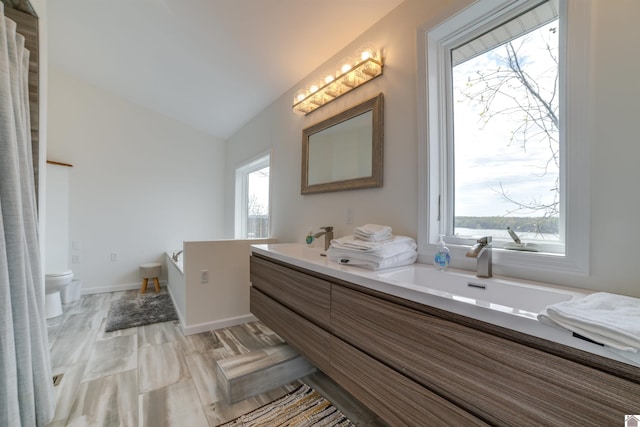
(497, 314)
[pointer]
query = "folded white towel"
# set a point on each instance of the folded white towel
(370, 262)
(371, 229)
(368, 256)
(610, 319)
(544, 317)
(390, 246)
(373, 232)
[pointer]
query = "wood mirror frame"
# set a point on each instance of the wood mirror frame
(376, 107)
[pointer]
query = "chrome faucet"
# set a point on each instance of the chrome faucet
(328, 236)
(176, 255)
(482, 252)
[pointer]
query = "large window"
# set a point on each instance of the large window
(506, 131)
(252, 199)
(504, 144)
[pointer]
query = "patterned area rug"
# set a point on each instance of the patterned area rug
(139, 311)
(303, 407)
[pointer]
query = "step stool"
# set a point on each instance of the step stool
(150, 271)
(250, 374)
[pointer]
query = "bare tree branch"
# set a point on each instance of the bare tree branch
(532, 108)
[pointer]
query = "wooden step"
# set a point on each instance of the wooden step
(249, 374)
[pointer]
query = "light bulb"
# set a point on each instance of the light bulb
(367, 51)
(328, 79)
(345, 68)
(299, 96)
(313, 89)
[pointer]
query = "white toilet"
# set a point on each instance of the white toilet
(60, 288)
(54, 284)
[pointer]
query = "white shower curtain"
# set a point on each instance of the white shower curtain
(26, 388)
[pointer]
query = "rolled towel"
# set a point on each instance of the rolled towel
(610, 319)
(373, 232)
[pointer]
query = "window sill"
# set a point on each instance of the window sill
(537, 266)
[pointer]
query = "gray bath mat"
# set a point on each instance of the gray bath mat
(139, 311)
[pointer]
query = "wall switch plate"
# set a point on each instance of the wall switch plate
(349, 216)
(114, 256)
(204, 276)
(75, 259)
(76, 245)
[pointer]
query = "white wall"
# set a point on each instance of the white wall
(278, 127)
(224, 300)
(57, 219)
(141, 183)
(615, 175)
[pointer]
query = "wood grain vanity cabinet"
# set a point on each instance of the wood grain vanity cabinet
(417, 365)
(283, 284)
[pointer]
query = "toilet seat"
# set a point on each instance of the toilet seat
(56, 281)
(64, 273)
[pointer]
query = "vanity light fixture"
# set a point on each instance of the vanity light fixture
(350, 74)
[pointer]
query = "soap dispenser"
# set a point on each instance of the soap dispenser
(442, 258)
(309, 239)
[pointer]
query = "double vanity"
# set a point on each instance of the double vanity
(425, 347)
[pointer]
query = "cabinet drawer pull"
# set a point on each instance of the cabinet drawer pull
(477, 285)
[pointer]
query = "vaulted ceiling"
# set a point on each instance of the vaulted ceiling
(212, 64)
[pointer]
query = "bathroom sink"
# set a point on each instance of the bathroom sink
(295, 251)
(493, 293)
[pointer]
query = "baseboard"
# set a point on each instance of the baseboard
(216, 324)
(121, 287)
(180, 318)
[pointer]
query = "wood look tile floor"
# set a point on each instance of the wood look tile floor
(154, 375)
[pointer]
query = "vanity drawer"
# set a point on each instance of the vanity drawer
(394, 397)
(304, 294)
(497, 380)
(307, 338)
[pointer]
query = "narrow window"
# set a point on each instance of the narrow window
(506, 130)
(252, 199)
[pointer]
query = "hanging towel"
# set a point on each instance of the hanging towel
(373, 232)
(609, 319)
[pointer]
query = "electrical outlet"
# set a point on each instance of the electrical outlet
(204, 276)
(75, 259)
(114, 256)
(349, 216)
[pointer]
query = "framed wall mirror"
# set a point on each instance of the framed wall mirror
(345, 151)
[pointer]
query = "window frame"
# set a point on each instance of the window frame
(435, 125)
(243, 171)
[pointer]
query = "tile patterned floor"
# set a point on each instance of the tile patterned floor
(153, 375)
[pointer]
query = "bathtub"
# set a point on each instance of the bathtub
(210, 283)
(175, 283)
